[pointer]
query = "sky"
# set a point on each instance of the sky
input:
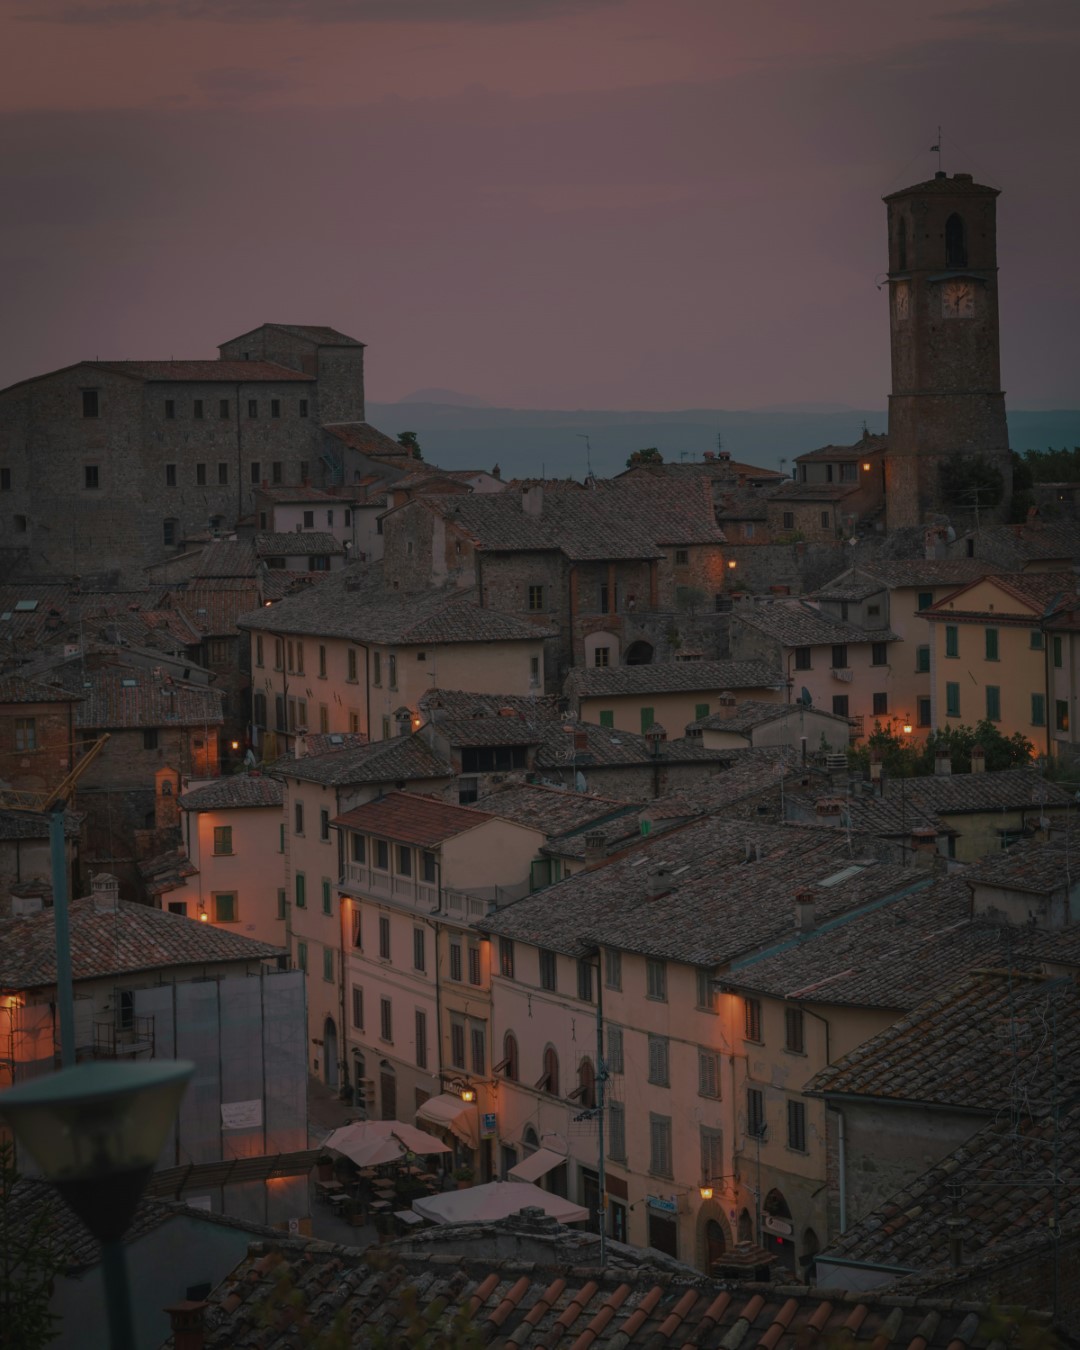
(542, 203)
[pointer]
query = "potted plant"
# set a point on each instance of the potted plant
(325, 1167)
(463, 1175)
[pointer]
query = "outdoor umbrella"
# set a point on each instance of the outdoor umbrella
(496, 1200)
(371, 1142)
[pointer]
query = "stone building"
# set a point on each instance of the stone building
(112, 464)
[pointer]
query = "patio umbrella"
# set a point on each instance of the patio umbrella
(496, 1200)
(371, 1142)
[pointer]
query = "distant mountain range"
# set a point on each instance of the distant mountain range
(533, 442)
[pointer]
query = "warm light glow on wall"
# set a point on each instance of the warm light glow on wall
(731, 562)
(866, 467)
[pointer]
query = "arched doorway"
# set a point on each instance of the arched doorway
(639, 653)
(330, 1053)
(713, 1235)
(778, 1237)
(746, 1226)
(715, 1243)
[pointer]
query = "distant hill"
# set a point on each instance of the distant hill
(445, 398)
(526, 442)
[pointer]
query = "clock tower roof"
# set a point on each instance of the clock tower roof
(941, 185)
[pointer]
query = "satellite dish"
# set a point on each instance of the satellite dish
(805, 699)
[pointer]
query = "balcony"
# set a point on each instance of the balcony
(406, 891)
(113, 1042)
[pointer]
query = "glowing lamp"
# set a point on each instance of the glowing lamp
(706, 1192)
(731, 562)
(866, 467)
(907, 728)
(468, 1095)
(235, 745)
(204, 917)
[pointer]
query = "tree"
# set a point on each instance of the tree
(409, 440)
(1002, 752)
(1052, 466)
(899, 758)
(29, 1261)
(648, 456)
(970, 483)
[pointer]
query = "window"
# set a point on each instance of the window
(506, 958)
(755, 1113)
(282, 904)
(324, 824)
(170, 475)
(607, 718)
(712, 1154)
(253, 410)
(534, 672)
(660, 1145)
(477, 1049)
(474, 963)
(149, 740)
(1036, 640)
(386, 1019)
(223, 474)
(359, 848)
(616, 1131)
(682, 557)
(955, 242)
(421, 1037)
(802, 658)
(170, 409)
(455, 962)
(789, 520)
(200, 475)
(648, 717)
(5, 480)
(849, 473)
(547, 969)
(276, 473)
(794, 1039)
(585, 1092)
(612, 968)
(840, 705)
(923, 706)
(584, 981)
(391, 670)
(993, 703)
(275, 407)
(357, 926)
(303, 407)
(839, 656)
(922, 660)
(658, 1060)
(25, 733)
(752, 1019)
(1061, 714)
(700, 710)
(91, 478)
(549, 1079)
(328, 963)
(796, 1126)
(708, 1073)
(952, 640)
(879, 653)
(536, 598)
(601, 656)
(824, 520)
(656, 980)
(223, 839)
(384, 937)
(225, 907)
(298, 818)
(511, 1065)
(1057, 651)
(615, 1049)
(881, 705)
(926, 599)
(708, 997)
(382, 855)
(301, 956)
(358, 1007)
(350, 664)
(1038, 710)
(90, 405)
(427, 867)
(404, 861)
(419, 949)
(991, 644)
(309, 520)
(952, 699)
(223, 408)
(301, 891)
(457, 1042)
(327, 896)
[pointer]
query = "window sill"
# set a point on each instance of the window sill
(224, 853)
(653, 1083)
(789, 1050)
(654, 998)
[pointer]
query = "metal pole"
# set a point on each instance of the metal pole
(117, 1295)
(601, 1079)
(65, 999)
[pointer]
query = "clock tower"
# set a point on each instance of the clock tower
(946, 406)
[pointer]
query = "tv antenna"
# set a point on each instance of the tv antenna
(588, 451)
(935, 149)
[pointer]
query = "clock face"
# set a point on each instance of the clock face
(958, 300)
(901, 300)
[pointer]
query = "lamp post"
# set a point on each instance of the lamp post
(96, 1131)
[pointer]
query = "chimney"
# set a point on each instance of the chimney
(300, 744)
(804, 911)
(924, 845)
(532, 500)
(659, 880)
(595, 847)
(978, 759)
(105, 890)
(188, 1329)
(727, 705)
(942, 762)
(654, 738)
(875, 765)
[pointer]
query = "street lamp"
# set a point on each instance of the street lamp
(96, 1131)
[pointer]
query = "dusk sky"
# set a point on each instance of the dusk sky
(545, 203)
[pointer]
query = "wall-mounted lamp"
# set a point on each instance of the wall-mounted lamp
(731, 562)
(468, 1094)
(866, 466)
(907, 726)
(705, 1191)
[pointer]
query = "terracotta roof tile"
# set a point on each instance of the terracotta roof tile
(794, 623)
(16, 689)
(204, 372)
(132, 697)
(408, 818)
(400, 759)
(662, 677)
(297, 542)
(239, 791)
(367, 439)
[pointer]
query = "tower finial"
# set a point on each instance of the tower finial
(936, 150)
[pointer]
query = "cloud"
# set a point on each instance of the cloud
(234, 84)
(311, 11)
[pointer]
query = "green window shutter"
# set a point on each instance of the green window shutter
(301, 890)
(993, 703)
(952, 700)
(1038, 710)
(952, 640)
(607, 718)
(648, 717)
(327, 902)
(991, 644)
(922, 660)
(700, 710)
(926, 599)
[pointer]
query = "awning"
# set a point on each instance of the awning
(537, 1164)
(448, 1112)
(496, 1200)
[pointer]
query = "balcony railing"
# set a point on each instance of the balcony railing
(422, 895)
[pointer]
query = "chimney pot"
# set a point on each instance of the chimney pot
(942, 762)
(978, 759)
(188, 1326)
(595, 846)
(805, 902)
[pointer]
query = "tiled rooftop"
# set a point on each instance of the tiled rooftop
(794, 623)
(750, 713)
(27, 825)
(296, 543)
(1029, 865)
(740, 774)
(114, 941)
(662, 677)
(367, 439)
(1008, 790)
(204, 372)
(971, 1046)
(314, 332)
(16, 689)
(166, 872)
(1027, 591)
(401, 759)
(917, 572)
(357, 605)
(718, 900)
(235, 792)
(119, 699)
(412, 1294)
(554, 810)
(408, 818)
(894, 816)
(1040, 541)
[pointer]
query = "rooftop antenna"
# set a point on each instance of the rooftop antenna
(588, 451)
(935, 149)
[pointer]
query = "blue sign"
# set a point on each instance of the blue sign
(487, 1124)
(667, 1203)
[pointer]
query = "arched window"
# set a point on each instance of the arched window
(955, 242)
(746, 1226)
(586, 1088)
(510, 1056)
(549, 1079)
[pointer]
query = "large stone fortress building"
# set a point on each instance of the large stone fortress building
(946, 396)
(111, 465)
